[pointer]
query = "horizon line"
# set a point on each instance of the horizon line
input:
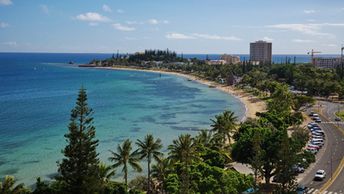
(43, 52)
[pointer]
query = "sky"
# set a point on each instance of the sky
(185, 26)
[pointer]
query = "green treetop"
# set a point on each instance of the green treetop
(79, 169)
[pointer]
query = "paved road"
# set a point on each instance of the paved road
(332, 153)
(330, 109)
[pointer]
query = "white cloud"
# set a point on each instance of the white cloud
(120, 11)
(3, 25)
(92, 17)
(331, 45)
(132, 22)
(268, 39)
(215, 37)
(200, 36)
(45, 9)
(93, 24)
(153, 21)
(309, 29)
(130, 38)
(121, 27)
(302, 41)
(106, 8)
(309, 11)
(5, 2)
(178, 36)
(10, 43)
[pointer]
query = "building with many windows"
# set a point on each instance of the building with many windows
(326, 62)
(230, 59)
(261, 52)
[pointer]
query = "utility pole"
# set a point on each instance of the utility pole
(341, 61)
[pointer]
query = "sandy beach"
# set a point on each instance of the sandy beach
(252, 103)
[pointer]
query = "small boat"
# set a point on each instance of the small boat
(71, 62)
(212, 86)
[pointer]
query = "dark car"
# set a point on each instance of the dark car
(337, 119)
(301, 189)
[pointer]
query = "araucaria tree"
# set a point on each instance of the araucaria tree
(79, 169)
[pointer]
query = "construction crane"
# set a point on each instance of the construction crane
(312, 55)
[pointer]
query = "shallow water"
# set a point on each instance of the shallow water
(37, 92)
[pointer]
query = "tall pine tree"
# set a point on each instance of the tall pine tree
(79, 169)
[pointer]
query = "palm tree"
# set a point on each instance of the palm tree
(124, 157)
(7, 186)
(204, 137)
(224, 126)
(183, 150)
(148, 148)
(105, 173)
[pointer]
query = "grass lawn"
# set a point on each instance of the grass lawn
(340, 114)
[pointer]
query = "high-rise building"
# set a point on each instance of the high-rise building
(261, 51)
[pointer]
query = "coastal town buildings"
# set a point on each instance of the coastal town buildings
(224, 59)
(215, 62)
(328, 62)
(261, 52)
(230, 59)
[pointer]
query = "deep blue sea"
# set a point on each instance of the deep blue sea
(37, 92)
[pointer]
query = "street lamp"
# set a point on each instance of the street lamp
(331, 159)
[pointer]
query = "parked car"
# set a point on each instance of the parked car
(312, 150)
(318, 143)
(311, 146)
(337, 119)
(311, 113)
(301, 189)
(316, 128)
(314, 124)
(318, 120)
(250, 190)
(320, 175)
(318, 137)
(298, 168)
(318, 133)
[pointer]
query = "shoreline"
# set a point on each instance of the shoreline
(251, 103)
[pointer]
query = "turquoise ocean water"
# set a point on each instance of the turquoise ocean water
(37, 92)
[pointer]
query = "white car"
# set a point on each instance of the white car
(320, 175)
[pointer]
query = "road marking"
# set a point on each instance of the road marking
(316, 191)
